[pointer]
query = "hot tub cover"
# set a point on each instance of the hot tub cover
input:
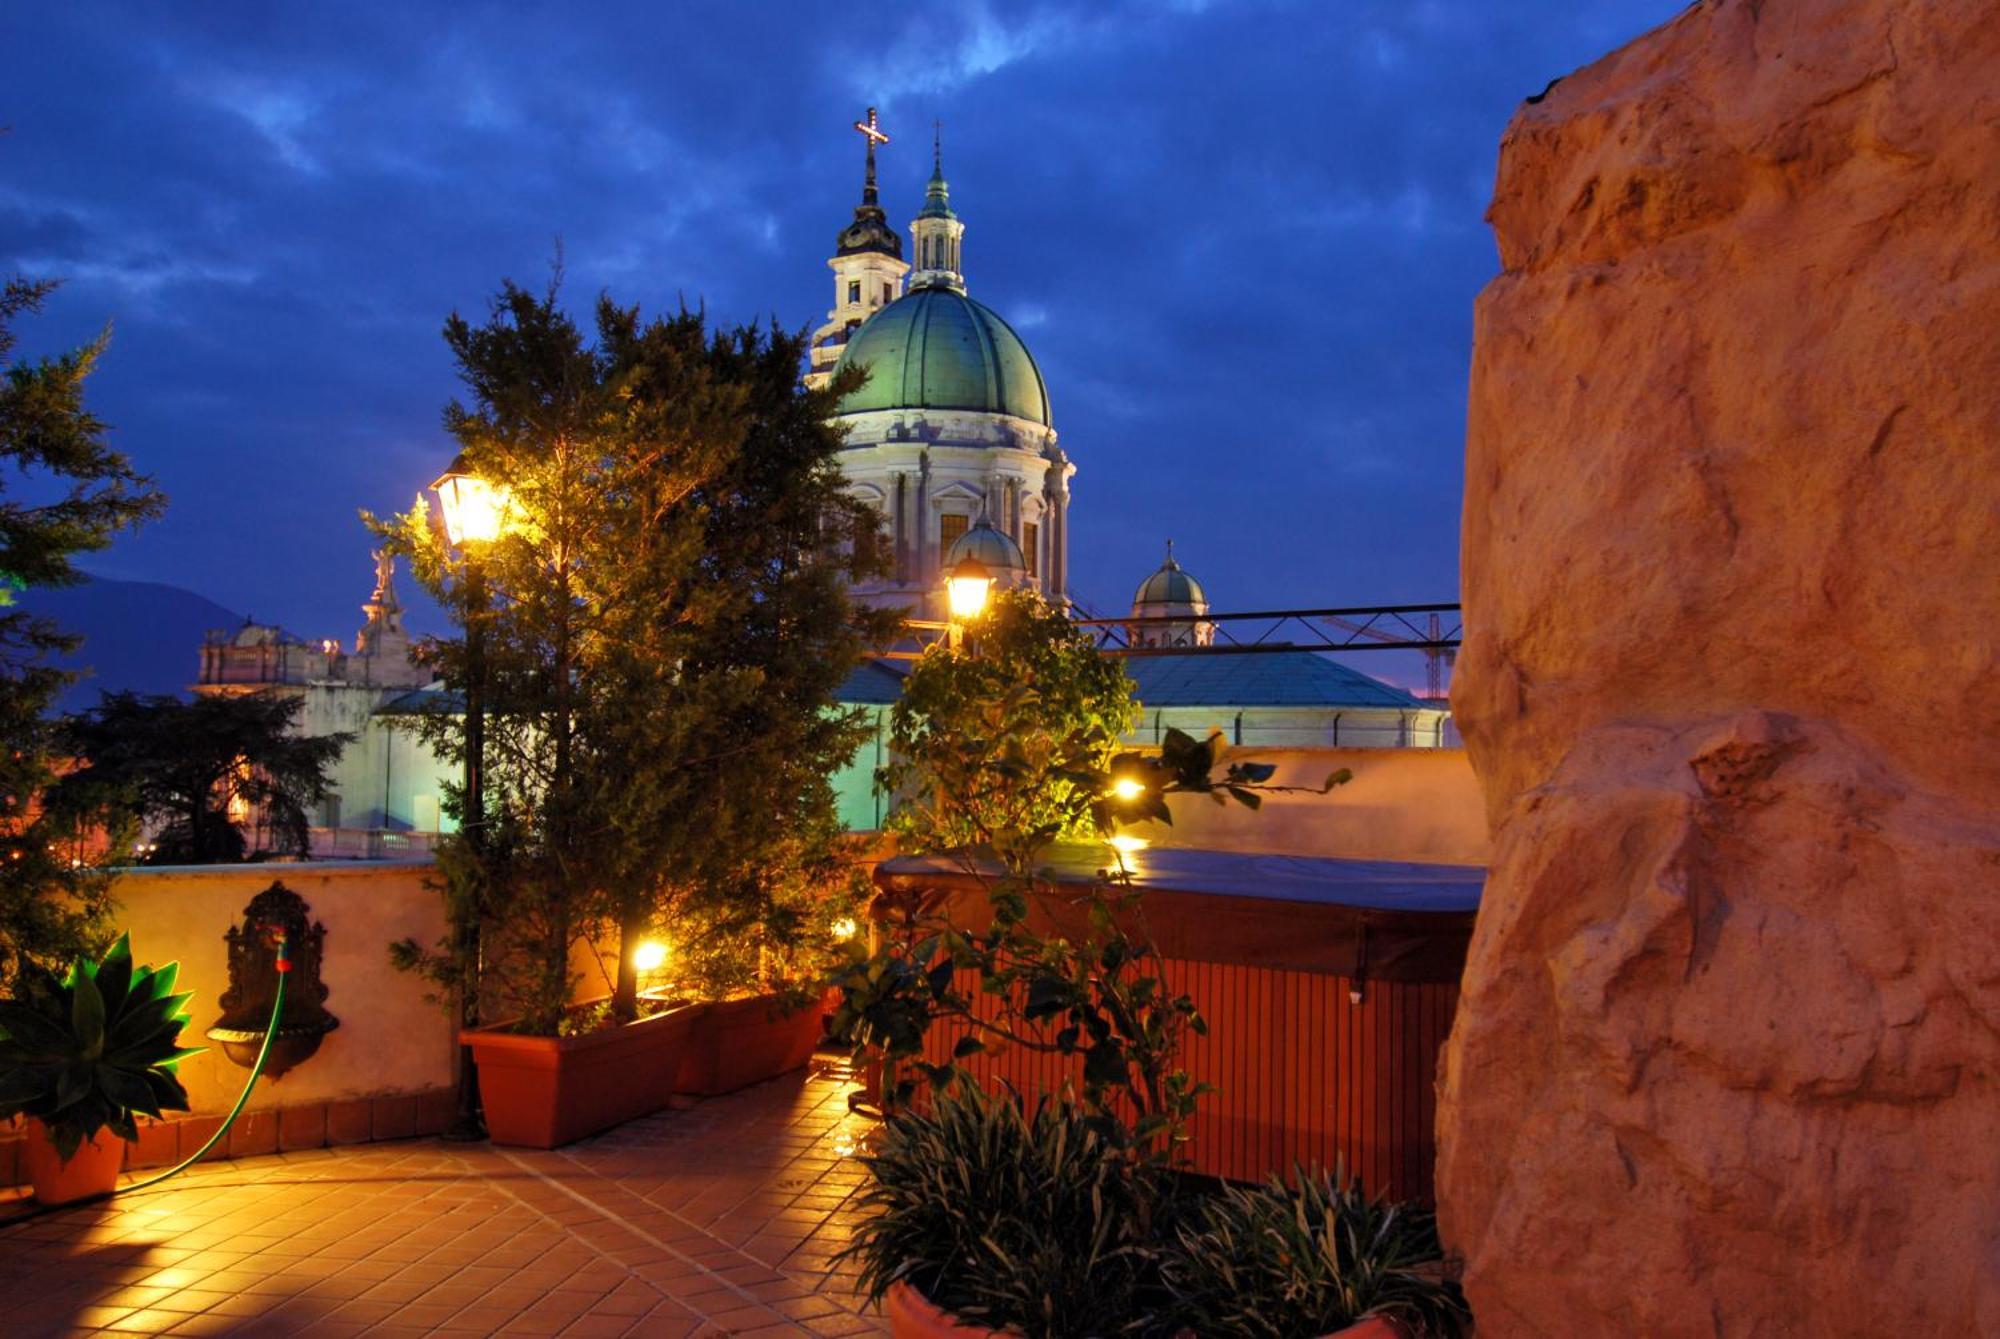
(1382, 919)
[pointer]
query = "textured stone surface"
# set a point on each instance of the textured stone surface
(1726, 1058)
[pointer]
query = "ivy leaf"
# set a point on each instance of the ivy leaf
(1104, 1064)
(1047, 995)
(939, 978)
(1010, 906)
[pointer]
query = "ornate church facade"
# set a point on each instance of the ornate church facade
(950, 440)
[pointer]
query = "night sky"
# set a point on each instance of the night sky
(1241, 239)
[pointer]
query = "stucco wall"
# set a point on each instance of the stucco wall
(387, 777)
(1402, 804)
(390, 1040)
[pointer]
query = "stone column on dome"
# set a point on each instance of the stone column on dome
(1062, 540)
(1046, 540)
(922, 570)
(898, 538)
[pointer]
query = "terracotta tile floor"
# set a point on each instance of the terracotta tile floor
(722, 1219)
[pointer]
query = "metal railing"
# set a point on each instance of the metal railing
(1405, 627)
(1435, 630)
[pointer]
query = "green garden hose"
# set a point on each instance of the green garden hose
(263, 1052)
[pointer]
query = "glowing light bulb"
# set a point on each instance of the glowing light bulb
(650, 956)
(967, 594)
(1127, 788)
(475, 511)
(1125, 843)
(845, 928)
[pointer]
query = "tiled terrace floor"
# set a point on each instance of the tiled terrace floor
(717, 1220)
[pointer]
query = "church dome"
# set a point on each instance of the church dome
(995, 549)
(1169, 590)
(935, 348)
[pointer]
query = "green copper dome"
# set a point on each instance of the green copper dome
(1170, 585)
(935, 348)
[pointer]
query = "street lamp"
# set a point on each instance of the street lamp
(966, 589)
(474, 510)
(474, 513)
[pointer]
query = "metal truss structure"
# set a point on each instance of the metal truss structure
(1434, 630)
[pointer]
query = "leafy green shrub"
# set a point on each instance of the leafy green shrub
(1278, 1262)
(95, 1048)
(1009, 1218)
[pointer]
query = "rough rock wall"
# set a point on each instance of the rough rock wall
(1726, 1060)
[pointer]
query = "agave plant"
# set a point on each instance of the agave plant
(95, 1048)
(1281, 1261)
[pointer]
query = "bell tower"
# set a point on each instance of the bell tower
(936, 232)
(867, 264)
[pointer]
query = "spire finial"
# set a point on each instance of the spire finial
(937, 148)
(873, 133)
(1170, 553)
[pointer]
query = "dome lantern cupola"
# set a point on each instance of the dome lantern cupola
(936, 233)
(1170, 593)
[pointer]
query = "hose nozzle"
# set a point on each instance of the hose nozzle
(281, 940)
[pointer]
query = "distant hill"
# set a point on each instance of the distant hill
(138, 635)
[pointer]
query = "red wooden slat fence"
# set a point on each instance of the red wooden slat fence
(1302, 1074)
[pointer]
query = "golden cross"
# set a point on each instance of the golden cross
(871, 130)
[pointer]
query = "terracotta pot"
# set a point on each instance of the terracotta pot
(542, 1092)
(1374, 1327)
(911, 1315)
(740, 1042)
(93, 1170)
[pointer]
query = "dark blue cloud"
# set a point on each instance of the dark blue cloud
(1243, 239)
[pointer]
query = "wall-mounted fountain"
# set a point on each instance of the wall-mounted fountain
(253, 982)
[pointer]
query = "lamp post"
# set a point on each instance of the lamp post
(473, 510)
(966, 590)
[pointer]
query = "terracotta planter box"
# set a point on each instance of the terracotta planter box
(92, 1171)
(543, 1092)
(740, 1042)
(912, 1316)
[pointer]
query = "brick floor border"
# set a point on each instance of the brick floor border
(361, 1120)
